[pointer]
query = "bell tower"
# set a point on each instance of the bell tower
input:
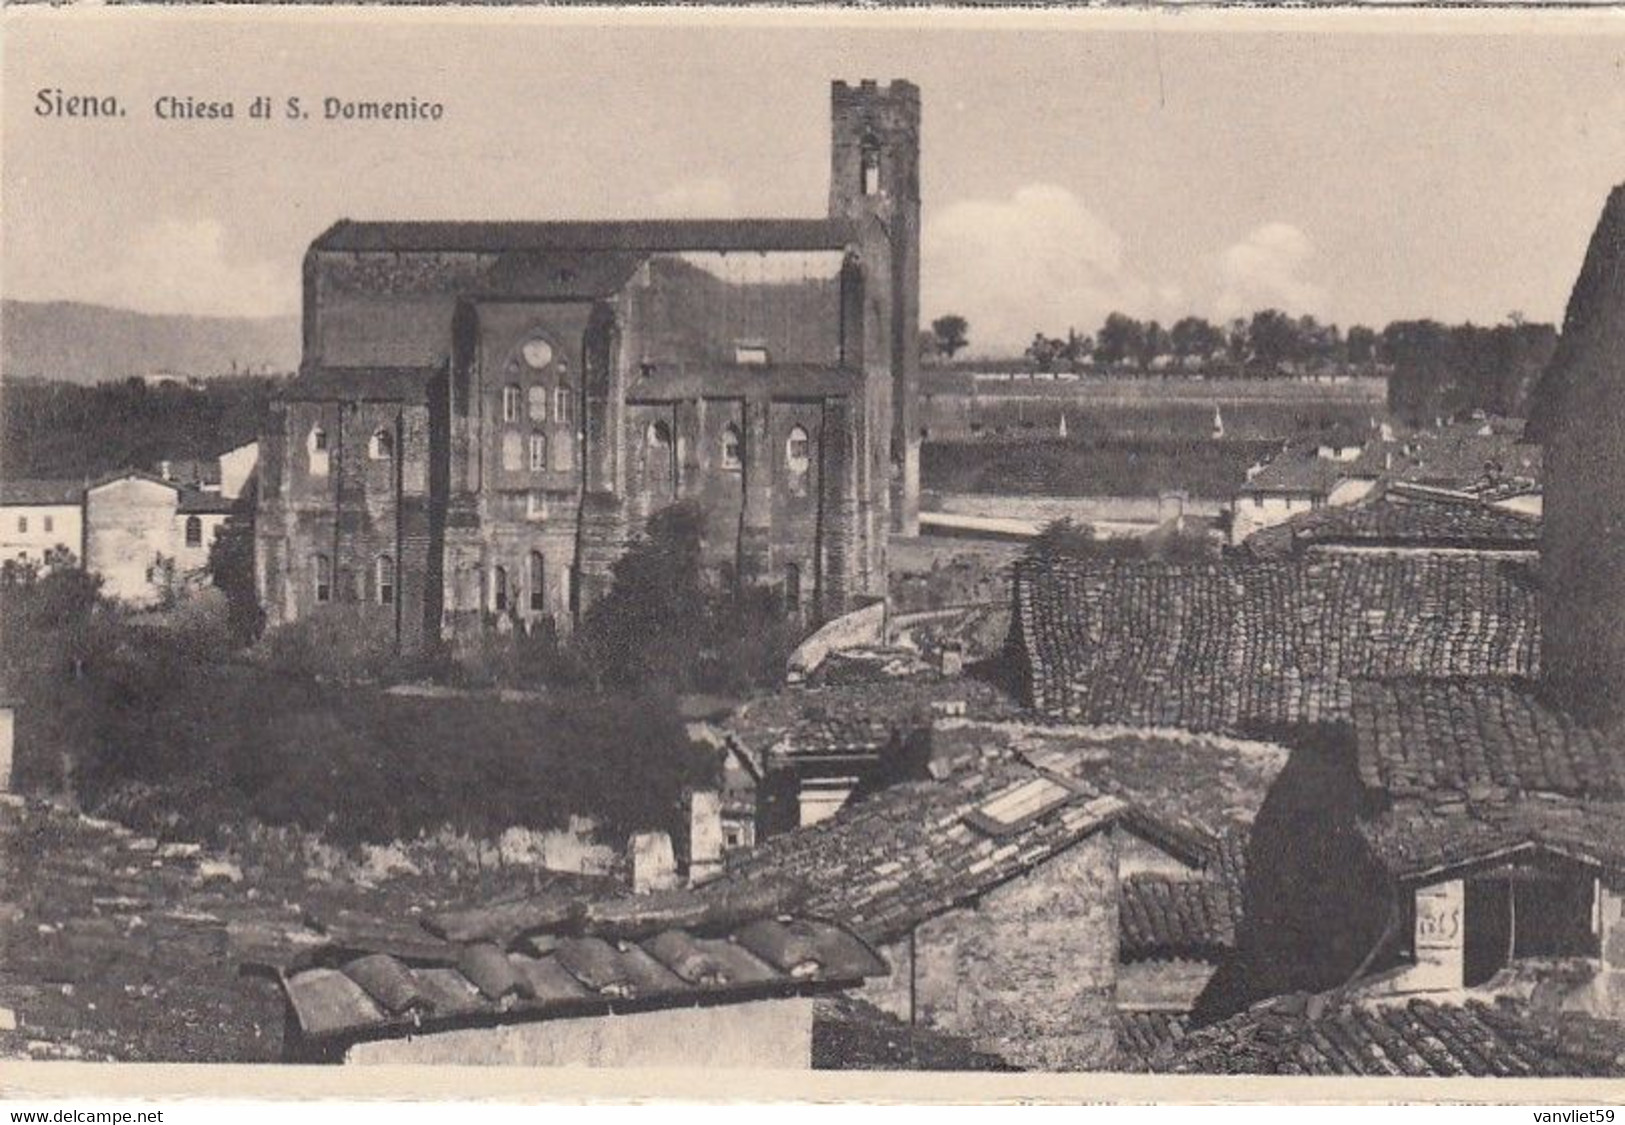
(875, 174)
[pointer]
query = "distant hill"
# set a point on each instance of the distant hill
(79, 343)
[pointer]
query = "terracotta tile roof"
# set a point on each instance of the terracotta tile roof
(1421, 1038)
(1479, 741)
(1196, 918)
(1206, 784)
(1398, 519)
(1160, 917)
(575, 959)
(1299, 470)
(850, 1033)
(915, 850)
(651, 235)
(852, 719)
(40, 493)
(1244, 645)
(194, 501)
(1415, 840)
(1142, 1036)
(378, 384)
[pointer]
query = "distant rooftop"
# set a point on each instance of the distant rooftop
(38, 493)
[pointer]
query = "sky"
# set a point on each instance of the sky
(1153, 162)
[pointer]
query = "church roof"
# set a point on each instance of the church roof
(376, 384)
(648, 235)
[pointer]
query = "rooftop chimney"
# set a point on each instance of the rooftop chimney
(704, 836)
(654, 867)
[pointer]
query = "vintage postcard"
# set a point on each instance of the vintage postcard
(946, 555)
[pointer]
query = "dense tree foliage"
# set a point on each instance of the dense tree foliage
(111, 701)
(951, 334)
(67, 431)
(666, 624)
(1440, 371)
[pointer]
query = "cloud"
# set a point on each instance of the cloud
(1037, 261)
(183, 266)
(708, 197)
(1265, 270)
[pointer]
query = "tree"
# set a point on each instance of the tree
(664, 626)
(1156, 343)
(231, 569)
(1194, 336)
(1361, 345)
(1274, 338)
(952, 334)
(1121, 337)
(1046, 351)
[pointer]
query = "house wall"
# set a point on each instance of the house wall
(27, 531)
(763, 1034)
(1256, 511)
(130, 526)
(193, 560)
(236, 467)
(1162, 986)
(1028, 972)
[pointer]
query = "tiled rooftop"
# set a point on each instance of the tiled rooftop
(1420, 1038)
(1161, 917)
(1243, 646)
(1142, 1036)
(858, 719)
(636, 953)
(1399, 520)
(914, 850)
(381, 384)
(27, 493)
(1414, 840)
(1480, 741)
(651, 235)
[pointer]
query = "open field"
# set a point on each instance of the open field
(1090, 466)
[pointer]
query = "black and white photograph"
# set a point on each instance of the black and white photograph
(916, 543)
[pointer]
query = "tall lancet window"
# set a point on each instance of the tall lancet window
(869, 161)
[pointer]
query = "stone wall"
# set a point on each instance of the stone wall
(130, 528)
(1028, 972)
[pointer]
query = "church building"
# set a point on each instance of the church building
(487, 413)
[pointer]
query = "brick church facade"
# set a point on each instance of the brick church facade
(487, 413)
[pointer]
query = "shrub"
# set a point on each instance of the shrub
(344, 643)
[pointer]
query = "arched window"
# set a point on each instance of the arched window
(382, 445)
(732, 447)
(798, 450)
(513, 452)
(512, 402)
(322, 576)
(194, 531)
(563, 405)
(499, 589)
(536, 397)
(792, 588)
(538, 583)
(538, 452)
(870, 160)
(385, 580)
(316, 447)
